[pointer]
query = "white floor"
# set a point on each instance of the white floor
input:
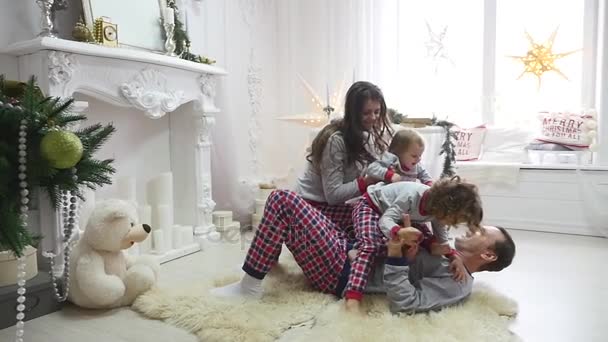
(559, 281)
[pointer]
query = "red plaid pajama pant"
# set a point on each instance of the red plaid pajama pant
(316, 243)
(370, 243)
(341, 215)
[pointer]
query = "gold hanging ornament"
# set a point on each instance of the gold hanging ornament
(541, 58)
(63, 149)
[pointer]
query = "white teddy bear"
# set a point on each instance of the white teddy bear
(103, 276)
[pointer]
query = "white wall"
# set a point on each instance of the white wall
(263, 45)
(248, 39)
(274, 40)
(140, 148)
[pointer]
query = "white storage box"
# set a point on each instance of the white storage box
(263, 194)
(259, 206)
(8, 266)
(255, 221)
(222, 218)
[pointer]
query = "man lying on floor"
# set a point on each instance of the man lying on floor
(413, 285)
(416, 281)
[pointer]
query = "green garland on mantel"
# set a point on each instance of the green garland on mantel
(182, 41)
(48, 124)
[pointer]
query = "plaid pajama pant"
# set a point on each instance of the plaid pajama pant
(341, 215)
(370, 243)
(316, 243)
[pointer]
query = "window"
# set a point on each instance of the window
(453, 59)
(518, 100)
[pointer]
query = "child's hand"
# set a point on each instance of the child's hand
(395, 178)
(440, 248)
(408, 235)
(457, 268)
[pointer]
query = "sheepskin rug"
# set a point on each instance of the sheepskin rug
(291, 311)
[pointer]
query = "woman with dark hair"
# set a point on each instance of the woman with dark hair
(341, 152)
(334, 174)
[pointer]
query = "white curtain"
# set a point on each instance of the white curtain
(398, 45)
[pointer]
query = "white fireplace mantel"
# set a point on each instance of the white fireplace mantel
(153, 83)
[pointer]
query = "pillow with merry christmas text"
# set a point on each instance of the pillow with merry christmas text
(469, 142)
(575, 130)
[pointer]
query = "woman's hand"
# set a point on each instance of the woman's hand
(369, 180)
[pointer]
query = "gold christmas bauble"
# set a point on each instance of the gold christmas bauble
(63, 149)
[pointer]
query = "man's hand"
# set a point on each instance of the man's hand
(410, 253)
(457, 268)
(408, 235)
(395, 178)
(440, 248)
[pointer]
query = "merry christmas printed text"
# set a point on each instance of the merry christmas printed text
(463, 142)
(562, 128)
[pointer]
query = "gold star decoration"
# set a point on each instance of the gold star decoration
(541, 58)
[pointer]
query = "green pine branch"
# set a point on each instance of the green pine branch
(42, 113)
(447, 148)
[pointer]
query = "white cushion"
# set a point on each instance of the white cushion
(506, 144)
(569, 129)
(468, 145)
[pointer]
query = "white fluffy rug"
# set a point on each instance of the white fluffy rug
(289, 303)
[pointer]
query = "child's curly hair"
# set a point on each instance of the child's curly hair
(454, 198)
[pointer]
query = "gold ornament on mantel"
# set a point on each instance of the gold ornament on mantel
(82, 33)
(106, 33)
(541, 58)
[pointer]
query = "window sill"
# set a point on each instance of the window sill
(527, 166)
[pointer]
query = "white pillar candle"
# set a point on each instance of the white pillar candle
(125, 189)
(177, 241)
(187, 235)
(164, 220)
(158, 241)
(145, 214)
(159, 190)
(86, 207)
(145, 247)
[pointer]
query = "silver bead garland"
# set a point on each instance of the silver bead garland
(23, 193)
(69, 210)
